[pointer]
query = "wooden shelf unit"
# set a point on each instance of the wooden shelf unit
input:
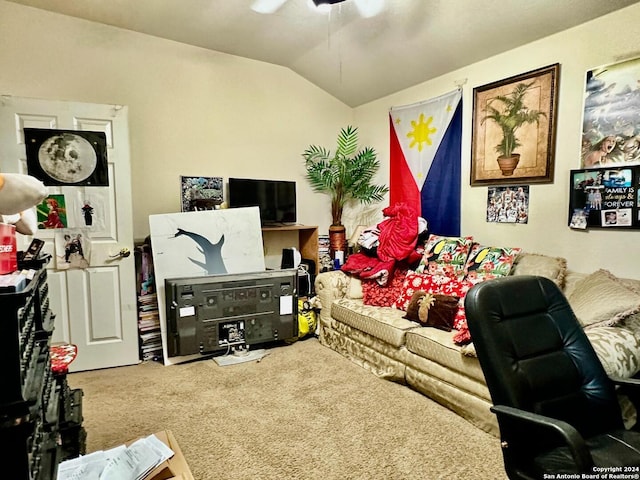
(303, 237)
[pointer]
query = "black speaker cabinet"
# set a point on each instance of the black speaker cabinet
(213, 313)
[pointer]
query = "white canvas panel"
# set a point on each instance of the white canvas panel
(206, 242)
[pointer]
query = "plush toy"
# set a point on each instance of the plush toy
(432, 310)
(19, 195)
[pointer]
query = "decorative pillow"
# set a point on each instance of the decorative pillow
(413, 282)
(415, 308)
(602, 299)
(463, 337)
(553, 268)
(354, 288)
(617, 349)
(435, 310)
(485, 263)
(383, 296)
(445, 256)
(443, 285)
(443, 312)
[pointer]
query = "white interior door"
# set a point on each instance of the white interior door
(95, 307)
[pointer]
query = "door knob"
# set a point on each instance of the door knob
(124, 253)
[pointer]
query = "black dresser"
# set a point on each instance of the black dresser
(40, 416)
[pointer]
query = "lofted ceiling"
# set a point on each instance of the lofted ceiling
(353, 58)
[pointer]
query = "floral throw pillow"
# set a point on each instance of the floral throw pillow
(442, 285)
(445, 256)
(383, 296)
(485, 263)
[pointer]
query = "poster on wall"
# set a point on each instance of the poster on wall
(88, 208)
(52, 212)
(508, 204)
(73, 249)
(200, 193)
(605, 198)
(67, 157)
(611, 119)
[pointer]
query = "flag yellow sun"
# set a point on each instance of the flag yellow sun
(421, 132)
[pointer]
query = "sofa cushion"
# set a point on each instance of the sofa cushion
(618, 349)
(437, 346)
(445, 256)
(432, 310)
(485, 263)
(553, 268)
(442, 285)
(384, 323)
(354, 288)
(601, 299)
(415, 281)
(383, 295)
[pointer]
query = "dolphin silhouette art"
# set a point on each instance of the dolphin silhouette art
(212, 252)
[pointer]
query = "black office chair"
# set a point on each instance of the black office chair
(556, 407)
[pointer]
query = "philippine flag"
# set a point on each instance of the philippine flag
(425, 160)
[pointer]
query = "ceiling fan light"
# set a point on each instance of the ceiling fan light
(267, 6)
(369, 8)
(319, 6)
(326, 2)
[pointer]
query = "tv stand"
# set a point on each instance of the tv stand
(303, 237)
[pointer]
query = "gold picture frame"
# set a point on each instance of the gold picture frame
(515, 119)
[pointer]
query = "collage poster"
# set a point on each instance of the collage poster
(201, 193)
(508, 204)
(605, 198)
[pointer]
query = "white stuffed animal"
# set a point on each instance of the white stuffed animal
(19, 195)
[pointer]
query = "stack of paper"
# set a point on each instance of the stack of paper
(134, 462)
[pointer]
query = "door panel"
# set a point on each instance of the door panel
(95, 307)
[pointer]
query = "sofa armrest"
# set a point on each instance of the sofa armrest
(330, 286)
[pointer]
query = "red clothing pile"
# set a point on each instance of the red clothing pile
(397, 242)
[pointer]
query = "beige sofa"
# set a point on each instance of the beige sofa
(427, 360)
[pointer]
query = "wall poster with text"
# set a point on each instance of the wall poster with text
(605, 198)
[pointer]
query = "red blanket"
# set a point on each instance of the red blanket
(397, 242)
(398, 232)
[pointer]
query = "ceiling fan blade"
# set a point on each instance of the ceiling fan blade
(267, 6)
(369, 8)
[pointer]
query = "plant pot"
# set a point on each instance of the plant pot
(338, 241)
(508, 164)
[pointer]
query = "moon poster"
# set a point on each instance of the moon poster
(67, 157)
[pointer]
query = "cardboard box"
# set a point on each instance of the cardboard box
(176, 467)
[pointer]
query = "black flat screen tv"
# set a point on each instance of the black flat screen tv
(275, 198)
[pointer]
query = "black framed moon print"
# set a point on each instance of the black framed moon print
(67, 157)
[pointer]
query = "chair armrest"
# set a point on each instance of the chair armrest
(627, 383)
(629, 387)
(521, 421)
(330, 286)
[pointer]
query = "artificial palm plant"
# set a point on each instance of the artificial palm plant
(346, 174)
(513, 115)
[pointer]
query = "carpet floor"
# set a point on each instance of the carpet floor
(302, 412)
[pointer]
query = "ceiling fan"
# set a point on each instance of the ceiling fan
(367, 8)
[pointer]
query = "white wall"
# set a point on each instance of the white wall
(606, 40)
(191, 111)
